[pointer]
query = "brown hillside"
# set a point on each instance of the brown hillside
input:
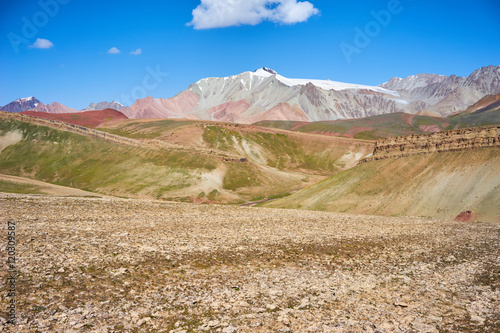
(439, 185)
(486, 103)
(448, 175)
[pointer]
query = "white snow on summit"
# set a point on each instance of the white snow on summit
(323, 84)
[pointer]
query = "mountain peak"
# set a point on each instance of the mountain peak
(21, 104)
(266, 70)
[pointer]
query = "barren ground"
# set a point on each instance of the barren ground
(112, 265)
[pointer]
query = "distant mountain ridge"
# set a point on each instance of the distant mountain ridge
(21, 104)
(33, 104)
(444, 95)
(265, 95)
(104, 105)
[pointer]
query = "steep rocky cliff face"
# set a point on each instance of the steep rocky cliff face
(455, 140)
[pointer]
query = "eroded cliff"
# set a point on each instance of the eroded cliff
(454, 140)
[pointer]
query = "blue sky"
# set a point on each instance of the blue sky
(65, 58)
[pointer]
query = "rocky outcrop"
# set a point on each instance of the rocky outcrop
(467, 216)
(455, 140)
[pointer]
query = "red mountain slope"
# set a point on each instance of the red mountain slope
(88, 118)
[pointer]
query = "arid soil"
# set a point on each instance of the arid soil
(113, 265)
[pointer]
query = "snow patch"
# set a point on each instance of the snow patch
(401, 101)
(264, 71)
(323, 84)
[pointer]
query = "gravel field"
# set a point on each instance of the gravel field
(116, 265)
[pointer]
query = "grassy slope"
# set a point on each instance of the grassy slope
(478, 118)
(396, 124)
(74, 160)
(440, 185)
(12, 187)
(285, 151)
(145, 129)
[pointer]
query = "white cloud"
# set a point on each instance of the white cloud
(113, 50)
(136, 52)
(41, 43)
(225, 13)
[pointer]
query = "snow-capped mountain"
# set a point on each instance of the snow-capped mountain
(323, 84)
(104, 105)
(266, 95)
(21, 104)
(33, 104)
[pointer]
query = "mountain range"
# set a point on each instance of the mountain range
(33, 104)
(264, 94)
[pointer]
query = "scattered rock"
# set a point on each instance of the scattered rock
(232, 269)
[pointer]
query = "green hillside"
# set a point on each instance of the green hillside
(276, 165)
(285, 151)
